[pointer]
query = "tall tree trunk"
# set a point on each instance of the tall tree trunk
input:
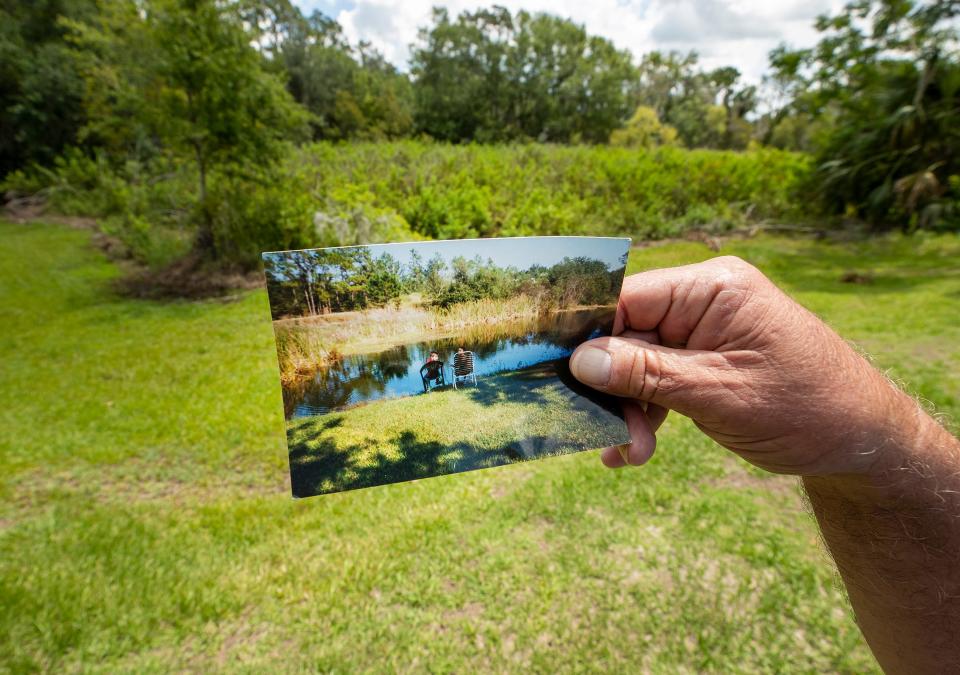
(311, 296)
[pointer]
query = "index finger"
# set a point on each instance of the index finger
(676, 301)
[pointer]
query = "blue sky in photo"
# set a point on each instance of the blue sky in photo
(521, 252)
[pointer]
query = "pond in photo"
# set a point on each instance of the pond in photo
(395, 372)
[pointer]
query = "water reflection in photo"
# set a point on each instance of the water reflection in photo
(395, 372)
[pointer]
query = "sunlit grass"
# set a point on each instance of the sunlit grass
(501, 419)
(146, 523)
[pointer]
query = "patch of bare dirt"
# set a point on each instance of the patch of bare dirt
(240, 639)
(856, 278)
(137, 481)
(933, 349)
(844, 231)
(470, 612)
(191, 278)
(505, 488)
(23, 210)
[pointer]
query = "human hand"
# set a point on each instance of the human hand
(720, 343)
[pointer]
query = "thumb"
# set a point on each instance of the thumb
(678, 379)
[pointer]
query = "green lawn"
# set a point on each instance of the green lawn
(147, 524)
(501, 419)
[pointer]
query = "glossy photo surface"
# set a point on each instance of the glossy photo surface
(406, 361)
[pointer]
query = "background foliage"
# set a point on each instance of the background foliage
(884, 84)
(308, 283)
(186, 127)
(344, 194)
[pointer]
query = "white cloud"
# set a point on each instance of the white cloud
(724, 32)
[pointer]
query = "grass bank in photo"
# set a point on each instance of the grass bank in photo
(372, 339)
(504, 418)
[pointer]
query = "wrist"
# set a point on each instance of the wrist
(890, 459)
(873, 428)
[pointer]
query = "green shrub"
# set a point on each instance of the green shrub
(345, 194)
(446, 191)
(146, 207)
(251, 215)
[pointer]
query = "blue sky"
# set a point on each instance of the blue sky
(724, 32)
(519, 252)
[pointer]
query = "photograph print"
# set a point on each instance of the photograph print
(407, 361)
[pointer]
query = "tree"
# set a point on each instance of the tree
(707, 109)
(307, 283)
(886, 75)
(180, 77)
(41, 90)
(434, 274)
(644, 130)
(492, 76)
(458, 70)
(352, 92)
(738, 102)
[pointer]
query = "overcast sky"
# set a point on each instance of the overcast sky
(725, 32)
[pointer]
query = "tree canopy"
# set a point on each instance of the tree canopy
(492, 76)
(884, 83)
(173, 115)
(41, 90)
(307, 283)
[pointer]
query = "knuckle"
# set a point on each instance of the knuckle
(645, 375)
(737, 265)
(731, 262)
(737, 274)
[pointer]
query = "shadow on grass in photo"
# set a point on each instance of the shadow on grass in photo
(326, 457)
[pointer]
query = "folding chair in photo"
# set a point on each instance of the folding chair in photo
(432, 375)
(463, 368)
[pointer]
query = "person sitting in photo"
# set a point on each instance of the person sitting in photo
(431, 372)
(463, 366)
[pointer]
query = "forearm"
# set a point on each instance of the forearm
(719, 343)
(895, 536)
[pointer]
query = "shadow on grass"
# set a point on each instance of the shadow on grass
(321, 463)
(526, 386)
(329, 467)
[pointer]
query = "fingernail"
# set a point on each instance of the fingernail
(591, 366)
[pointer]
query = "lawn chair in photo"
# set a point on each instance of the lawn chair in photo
(432, 375)
(463, 368)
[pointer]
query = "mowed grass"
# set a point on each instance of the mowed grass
(500, 419)
(147, 524)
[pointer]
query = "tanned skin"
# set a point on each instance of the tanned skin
(766, 379)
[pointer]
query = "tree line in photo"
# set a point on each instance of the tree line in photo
(309, 283)
(177, 123)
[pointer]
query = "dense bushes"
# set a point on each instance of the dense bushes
(152, 208)
(444, 191)
(341, 194)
